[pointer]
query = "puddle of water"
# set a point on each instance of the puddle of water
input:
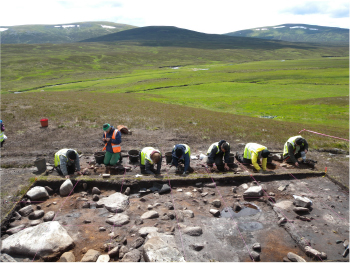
(250, 226)
(247, 210)
(74, 215)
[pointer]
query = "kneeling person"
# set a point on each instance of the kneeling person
(217, 152)
(148, 158)
(295, 148)
(181, 153)
(252, 153)
(66, 161)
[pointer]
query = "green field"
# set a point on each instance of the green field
(305, 87)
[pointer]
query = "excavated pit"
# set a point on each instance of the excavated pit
(229, 236)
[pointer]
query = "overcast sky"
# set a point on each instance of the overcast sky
(207, 16)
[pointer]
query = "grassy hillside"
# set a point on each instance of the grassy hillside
(296, 85)
(59, 33)
(297, 33)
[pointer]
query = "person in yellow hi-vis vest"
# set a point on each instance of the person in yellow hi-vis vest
(150, 156)
(66, 162)
(252, 153)
(2, 134)
(294, 148)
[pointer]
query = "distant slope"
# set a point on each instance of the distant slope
(57, 34)
(173, 36)
(297, 33)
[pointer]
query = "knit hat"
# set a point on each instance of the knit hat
(226, 146)
(106, 126)
(299, 141)
(265, 153)
(71, 154)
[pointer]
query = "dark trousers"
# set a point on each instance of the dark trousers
(218, 162)
(70, 169)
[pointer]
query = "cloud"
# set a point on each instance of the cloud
(334, 9)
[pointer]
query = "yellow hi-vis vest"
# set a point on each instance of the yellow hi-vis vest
(215, 144)
(188, 149)
(146, 154)
(61, 152)
(291, 140)
(251, 148)
(2, 137)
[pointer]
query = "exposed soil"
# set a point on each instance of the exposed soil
(19, 153)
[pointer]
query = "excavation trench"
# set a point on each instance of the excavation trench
(227, 236)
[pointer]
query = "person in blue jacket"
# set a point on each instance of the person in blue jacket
(181, 152)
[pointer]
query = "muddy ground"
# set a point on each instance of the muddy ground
(18, 166)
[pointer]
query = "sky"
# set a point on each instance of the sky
(206, 16)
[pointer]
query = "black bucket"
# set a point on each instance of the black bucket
(134, 156)
(99, 157)
(231, 160)
(168, 157)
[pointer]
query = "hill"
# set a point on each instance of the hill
(174, 36)
(59, 33)
(297, 33)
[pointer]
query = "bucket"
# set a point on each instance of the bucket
(40, 163)
(44, 122)
(99, 156)
(168, 157)
(231, 160)
(134, 156)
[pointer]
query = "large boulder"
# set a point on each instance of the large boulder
(161, 248)
(66, 188)
(37, 192)
(45, 240)
(115, 203)
(118, 220)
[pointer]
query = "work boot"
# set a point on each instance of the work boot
(108, 170)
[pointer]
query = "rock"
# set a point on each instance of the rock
(67, 257)
(91, 256)
(138, 242)
(114, 252)
(282, 187)
(127, 191)
(165, 217)
(188, 213)
(35, 222)
(189, 194)
(301, 209)
(95, 198)
(180, 216)
(253, 191)
(303, 218)
(323, 255)
(101, 229)
(103, 258)
(237, 207)
(31, 241)
(49, 216)
(214, 212)
(244, 186)
(36, 214)
(16, 229)
(149, 207)
(17, 216)
(84, 186)
(86, 205)
(312, 252)
(179, 190)
(171, 215)
(37, 192)
(199, 185)
(294, 257)
(118, 220)
(257, 247)
(115, 203)
(169, 205)
(122, 251)
(161, 248)
(66, 188)
(204, 194)
(25, 211)
(132, 256)
(6, 258)
(216, 203)
(95, 191)
(138, 221)
(210, 185)
(302, 202)
(234, 190)
(38, 207)
(144, 231)
(282, 221)
(255, 255)
(165, 188)
(285, 259)
(193, 231)
(197, 247)
(150, 215)
(86, 221)
(277, 157)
